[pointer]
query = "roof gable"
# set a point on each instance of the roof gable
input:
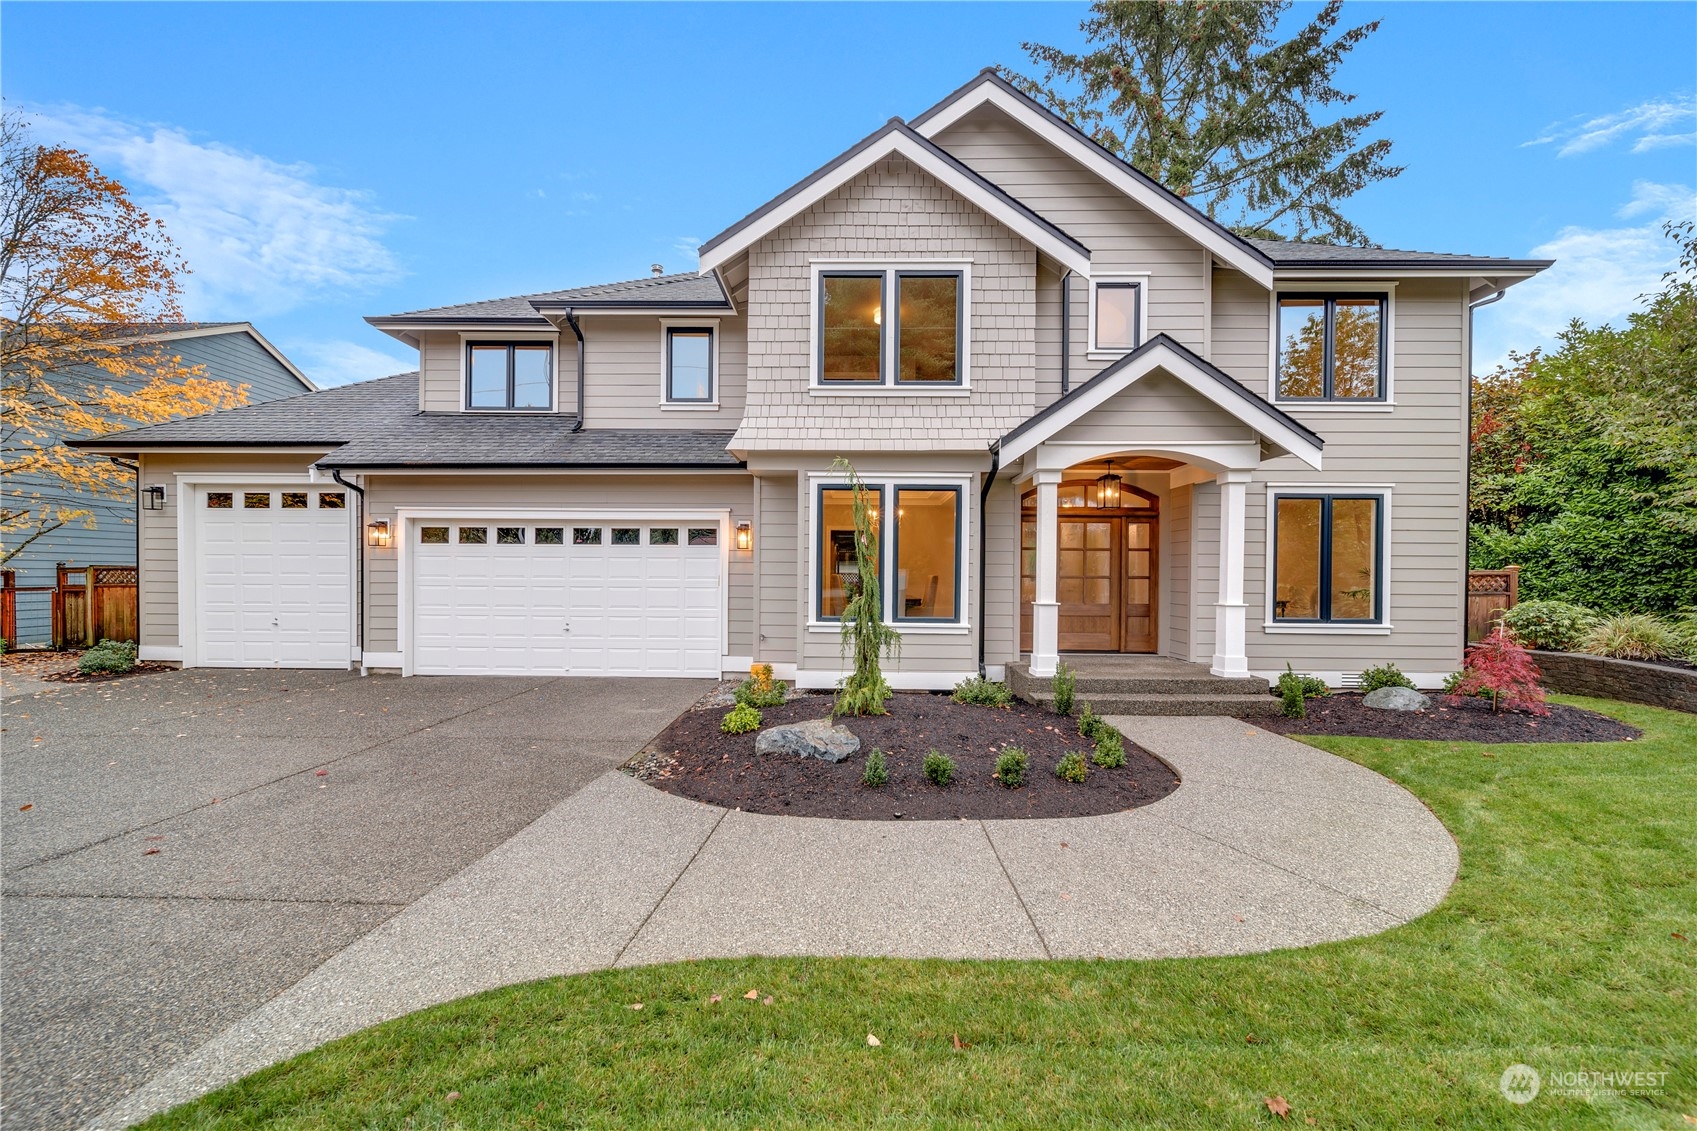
(895, 139)
(1162, 354)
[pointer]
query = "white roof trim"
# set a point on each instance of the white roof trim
(1104, 165)
(1161, 356)
(895, 142)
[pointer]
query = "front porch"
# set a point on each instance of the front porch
(1147, 685)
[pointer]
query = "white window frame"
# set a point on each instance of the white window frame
(1342, 287)
(667, 404)
(887, 386)
(1269, 551)
(889, 482)
(1108, 353)
(496, 334)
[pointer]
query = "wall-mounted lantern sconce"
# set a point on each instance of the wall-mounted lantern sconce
(745, 535)
(377, 534)
(153, 497)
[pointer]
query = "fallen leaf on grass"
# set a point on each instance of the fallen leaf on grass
(1252, 1039)
(960, 1044)
(767, 1000)
(451, 1096)
(1676, 934)
(1278, 1105)
(873, 1041)
(714, 1000)
(635, 1005)
(752, 995)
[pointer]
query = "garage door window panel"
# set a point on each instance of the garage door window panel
(550, 536)
(627, 536)
(703, 536)
(433, 535)
(586, 536)
(663, 536)
(474, 535)
(294, 500)
(509, 535)
(220, 500)
(256, 500)
(332, 501)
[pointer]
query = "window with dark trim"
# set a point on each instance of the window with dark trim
(516, 376)
(839, 569)
(689, 364)
(1331, 347)
(927, 554)
(1328, 559)
(1118, 315)
(863, 341)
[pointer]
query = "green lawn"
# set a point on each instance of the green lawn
(1560, 946)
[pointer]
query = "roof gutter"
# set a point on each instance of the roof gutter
(983, 557)
(359, 556)
(571, 320)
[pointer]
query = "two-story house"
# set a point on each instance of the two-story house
(1095, 421)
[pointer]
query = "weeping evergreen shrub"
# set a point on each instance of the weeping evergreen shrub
(864, 633)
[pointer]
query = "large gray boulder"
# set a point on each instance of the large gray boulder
(815, 738)
(1396, 699)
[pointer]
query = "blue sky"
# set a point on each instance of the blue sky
(321, 162)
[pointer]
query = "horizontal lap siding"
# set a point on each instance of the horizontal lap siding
(623, 366)
(775, 546)
(441, 359)
(157, 540)
(489, 494)
(892, 212)
(1417, 448)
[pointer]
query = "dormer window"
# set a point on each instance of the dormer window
(890, 328)
(513, 376)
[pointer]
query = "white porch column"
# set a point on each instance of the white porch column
(1229, 611)
(1045, 610)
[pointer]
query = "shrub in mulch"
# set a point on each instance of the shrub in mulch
(1466, 720)
(693, 758)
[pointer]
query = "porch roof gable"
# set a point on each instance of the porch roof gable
(1161, 352)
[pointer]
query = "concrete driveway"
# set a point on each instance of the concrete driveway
(179, 848)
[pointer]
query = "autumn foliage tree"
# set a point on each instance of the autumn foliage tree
(84, 276)
(1500, 668)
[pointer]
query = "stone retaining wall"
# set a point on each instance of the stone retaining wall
(1575, 673)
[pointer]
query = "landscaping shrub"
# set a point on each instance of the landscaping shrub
(864, 633)
(1385, 675)
(877, 773)
(1089, 722)
(1556, 626)
(1011, 767)
(1072, 768)
(1295, 689)
(1110, 748)
(1064, 682)
(1632, 636)
(1685, 633)
(761, 690)
(1500, 669)
(108, 657)
(740, 720)
(940, 768)
(981, 692)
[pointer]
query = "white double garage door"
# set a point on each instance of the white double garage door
(567, 597)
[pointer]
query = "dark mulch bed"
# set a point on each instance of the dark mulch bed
(1471, 720)
(694, 759)
(75, 676)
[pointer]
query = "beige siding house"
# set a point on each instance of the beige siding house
(1096, 422)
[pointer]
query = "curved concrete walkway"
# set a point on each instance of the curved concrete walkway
(1267, 844)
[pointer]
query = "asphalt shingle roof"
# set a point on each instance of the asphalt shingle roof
(377, 424)
(1291, 253)
(661, 291)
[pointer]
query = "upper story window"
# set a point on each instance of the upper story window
(1332, 348)
(689, 365)
(510, 375)
(891, 327)
(1116, 314)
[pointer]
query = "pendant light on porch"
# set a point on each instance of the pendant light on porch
(1108, 488)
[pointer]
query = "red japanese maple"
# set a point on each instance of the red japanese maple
(1500, 667)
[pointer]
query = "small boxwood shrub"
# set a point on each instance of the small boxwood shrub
(1295, 689)
(940, 768)
(109, 657)
(877, 773)
(1064, 683)
(1089, 722)
(981, 692)
(1072, 767)
(1011, 766)
(740, 720)
(1110, 748)
(1554, 626)
(760, 690)
(1385, 675)
(1632, 636)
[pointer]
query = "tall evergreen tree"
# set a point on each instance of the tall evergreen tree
(1203, 98)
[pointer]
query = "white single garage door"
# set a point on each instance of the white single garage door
(503, 597)
(274, 586)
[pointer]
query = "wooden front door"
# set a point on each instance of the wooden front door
(1105, 581)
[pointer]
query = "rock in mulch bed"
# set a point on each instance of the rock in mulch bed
(694, 759)
(1471, 720)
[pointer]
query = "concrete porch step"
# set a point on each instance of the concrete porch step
(1235, 706)
(1149, 685)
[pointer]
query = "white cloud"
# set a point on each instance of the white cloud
(1599, 276)
(1649, 121)
(688, 246)
(343, 363)
(260, 237)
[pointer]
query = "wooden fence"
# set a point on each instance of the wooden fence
(89, 604)
(1490, 593)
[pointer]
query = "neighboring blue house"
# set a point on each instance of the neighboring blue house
(228, 351)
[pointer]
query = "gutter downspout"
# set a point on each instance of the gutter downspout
(571, 319)
(1467, 459)
(983, 549)
(1066, 331)
(359, 550)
